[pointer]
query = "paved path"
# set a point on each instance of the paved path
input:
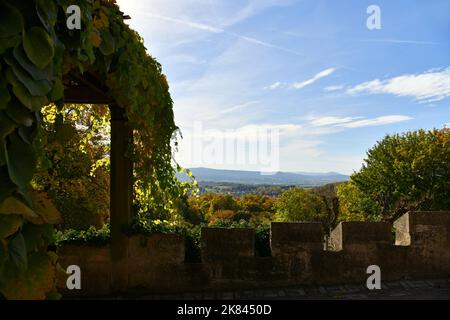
(437, 289)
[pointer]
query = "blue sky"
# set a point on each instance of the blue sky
(310, 69)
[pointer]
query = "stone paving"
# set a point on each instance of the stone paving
(436, 289)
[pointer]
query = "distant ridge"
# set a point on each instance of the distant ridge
(254, 177)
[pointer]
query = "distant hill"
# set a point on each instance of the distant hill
(255, 177)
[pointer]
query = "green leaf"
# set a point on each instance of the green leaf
(31, 102)
(7, 187)
(11, 21)
(20, 114)
(9, 224)
(34, 235)
(54, 295)
(35, 87)
(11, 77)
(35, 282)
(18, 252)
(35, 72)
(21, 160)
(38, 47)
(2, 153)
(47, 12)
(10, 42)
(57, 92)
(107, 45)
(12, 205)
(4, 98)
(3, 259)
(6, 126)
(27, 134)
(44, 207)
(65, 132)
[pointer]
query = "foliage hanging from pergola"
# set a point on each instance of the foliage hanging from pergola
(40, 58)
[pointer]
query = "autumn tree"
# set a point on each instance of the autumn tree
(298, 204)
(407, 172)
(355, 205)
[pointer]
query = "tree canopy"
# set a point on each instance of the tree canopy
(406, 172)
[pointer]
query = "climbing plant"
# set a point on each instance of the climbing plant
(37, 51)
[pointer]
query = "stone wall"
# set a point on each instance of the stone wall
(156, 263)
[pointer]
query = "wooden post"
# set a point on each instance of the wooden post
(121, 196)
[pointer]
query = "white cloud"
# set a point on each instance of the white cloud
(357, 122)
(334, 88)
(321, 74)
(301, 85)
(274, 85)
(429, 86)
(328, 121)
(376, 121)
(399, 41)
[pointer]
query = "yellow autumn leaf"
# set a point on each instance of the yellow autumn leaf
(37, 280)
(100, 21)
(12, 205)
(95, 38)
(45, 209)
(164, 82)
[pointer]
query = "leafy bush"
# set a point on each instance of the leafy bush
(92, 235)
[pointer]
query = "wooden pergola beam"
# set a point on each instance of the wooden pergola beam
(88, 90)
(121, 195)
(85, 89)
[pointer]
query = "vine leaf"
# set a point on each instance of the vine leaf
(38, 47)
(6, 185)
(35, 72)
(47, 13)
(35, 282)
(107, 45)
(4, 97)
(18, 252)
(6, 126)
(21, 160)
(57, 92)
(12, 205)
(9, 42)
(2, 153)
(37, 236)
(20, 114)
(33, 103)
(9, 224)
(12, 21)
(45, 209)
(35, 87)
